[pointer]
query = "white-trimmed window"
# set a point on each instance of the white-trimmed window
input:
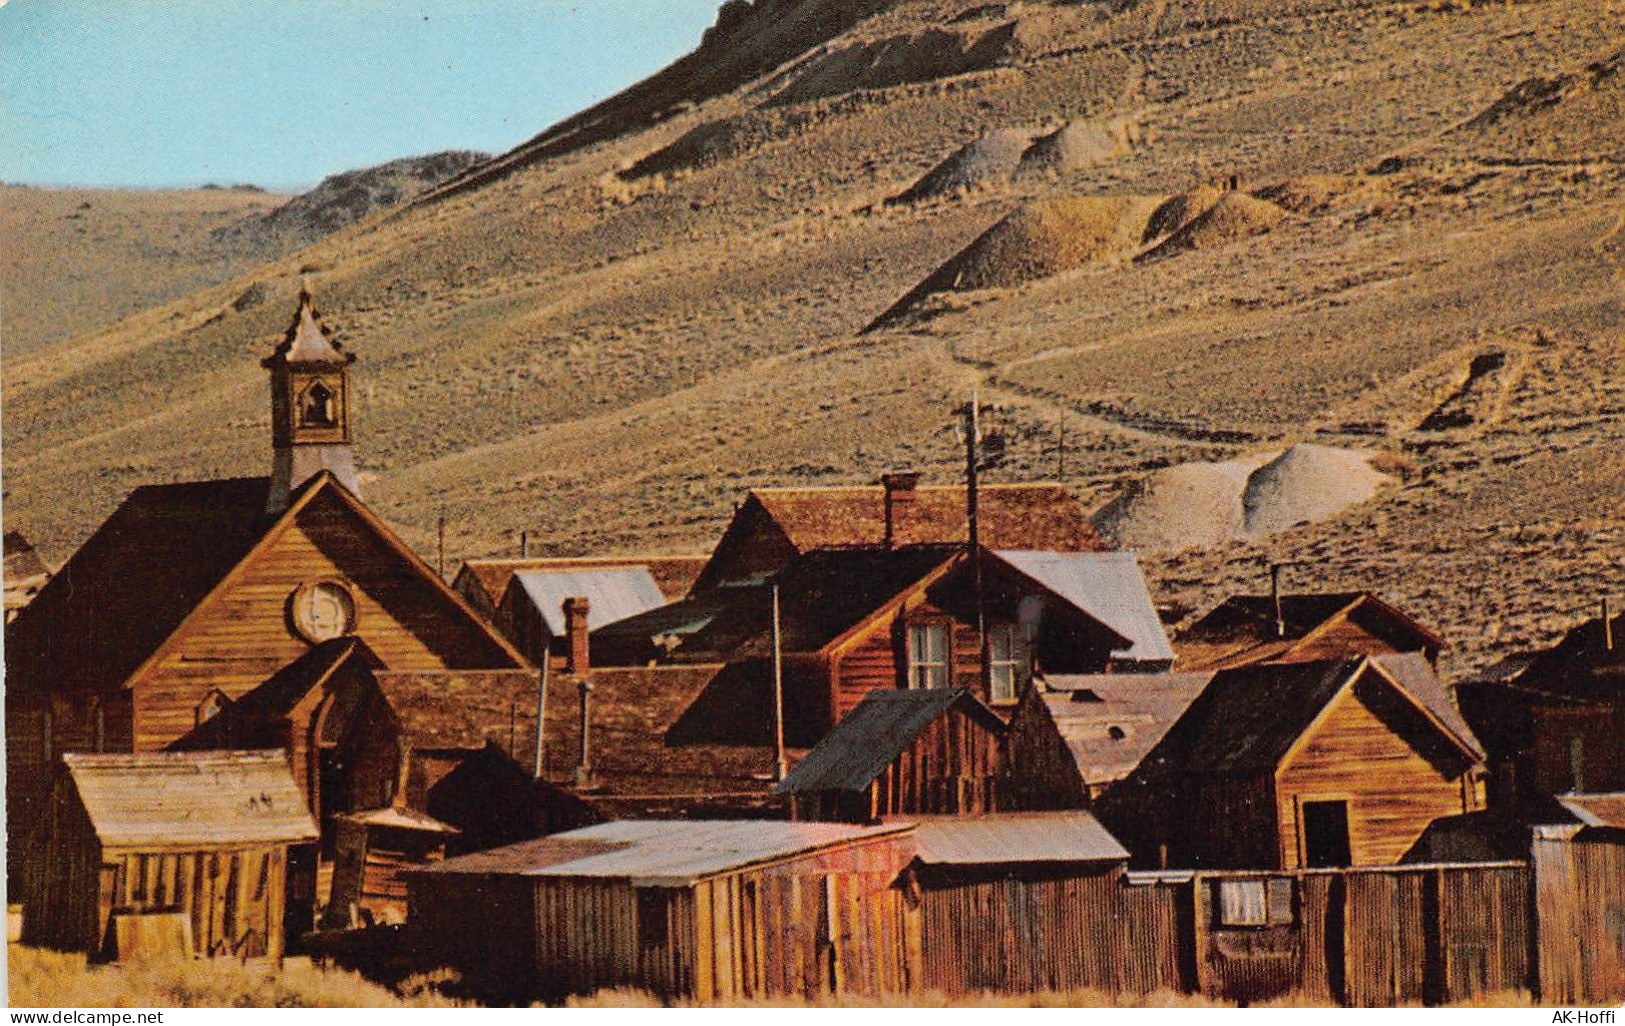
(928, 655)
(1004, 662)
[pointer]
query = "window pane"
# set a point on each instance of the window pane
(1002, 682)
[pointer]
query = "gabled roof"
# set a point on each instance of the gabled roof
(662, 853)
(285, 689)
(674, 575)
(1013, 838)
(871, 736)
(156, 561)
(1248, 719)
(1010, 516)
(1242, 629)
(1111, 721)
(1596, 810)
(1106, 585)
(612, 594)
(186, 799)
(1580, 666)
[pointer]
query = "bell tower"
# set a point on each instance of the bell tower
(310, 407)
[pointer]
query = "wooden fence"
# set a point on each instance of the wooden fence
(1580, 915)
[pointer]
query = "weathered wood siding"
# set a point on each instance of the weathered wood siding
(243, 637)
(1024, 929)
(1157, 934)
(1379, 755)
(1580, 917)
(1043, 772)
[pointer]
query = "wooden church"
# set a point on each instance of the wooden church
(198, 606)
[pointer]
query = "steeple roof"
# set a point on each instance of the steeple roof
(307, 340)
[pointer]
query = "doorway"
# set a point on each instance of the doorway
(1325, 834)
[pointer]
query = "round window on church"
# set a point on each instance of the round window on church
(322, 610)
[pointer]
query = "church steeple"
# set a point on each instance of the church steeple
(310, 407)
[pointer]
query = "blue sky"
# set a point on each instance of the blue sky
(280, 93)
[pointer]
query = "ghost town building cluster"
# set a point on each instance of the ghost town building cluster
(890, 738)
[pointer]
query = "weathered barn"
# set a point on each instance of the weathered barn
(1245, 630)
(163, 852)
(773, 526)
(1559, 724)
(703, 910)
(193, 597)
(1019, 903)
(854, 620)
(1074, 736)
(903, 752)
(484, 582)
(1334, 763)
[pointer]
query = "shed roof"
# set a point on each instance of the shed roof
(1111, 721)
(1242, 629)
(177, 799)
(1003, 838)
(1106, 585)
(612, 594)
(1597, 810)
(874, 734)
(663, 853)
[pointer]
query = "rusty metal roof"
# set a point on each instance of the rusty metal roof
(663, 853)
(190, 799)
(880, 729)
(1002, 838)
(1596, 810)
(612, 594)
(1106, 585)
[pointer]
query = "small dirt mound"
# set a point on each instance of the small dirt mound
(1178, 211)
(1306, 483)
(1079, 145)
(989, 161)
(1041, 239)
(1180, 507)
(1308, 194)
(1236, 216)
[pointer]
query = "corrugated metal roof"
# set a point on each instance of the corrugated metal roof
(1015, 837)
(662, 853)
(1106, 585)
(868, 738)
(1596, 810)
(174, 799)
(612, 594)
(1111, 721)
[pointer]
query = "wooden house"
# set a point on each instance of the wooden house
(1019, 903)
(484, 582)
(1074, 736)
(1332, 763)
(166, 853)
(25, 573)
(1559, 724)
(537, 604)
(903, 752)
(854, 620)
(773, 526)
(1245, 630)
(190, 597)
(700, 910)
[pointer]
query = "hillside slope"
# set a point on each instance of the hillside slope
(606, 335)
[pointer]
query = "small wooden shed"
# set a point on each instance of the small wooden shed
(1019, 903)
(164, 851)
(705, 910)
(371, 850)
(898, 752)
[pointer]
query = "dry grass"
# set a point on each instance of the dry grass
(47, 979)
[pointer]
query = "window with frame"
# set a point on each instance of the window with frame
(928, 655)
(1257, 902)
(1004, 663)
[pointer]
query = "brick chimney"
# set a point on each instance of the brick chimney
(902, 525)
(575, 636)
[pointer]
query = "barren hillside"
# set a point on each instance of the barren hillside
(1218, 228)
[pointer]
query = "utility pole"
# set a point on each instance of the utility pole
(541, 713)
(973, 439)
(780, 769)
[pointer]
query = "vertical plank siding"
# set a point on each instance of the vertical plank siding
(1579, 899)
